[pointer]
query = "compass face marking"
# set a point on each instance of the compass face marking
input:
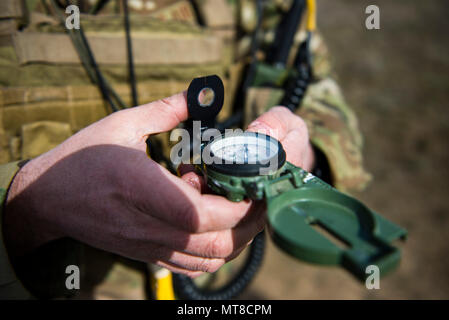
(245, 149)
(244, 154)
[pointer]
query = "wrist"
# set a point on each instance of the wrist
(24, 226)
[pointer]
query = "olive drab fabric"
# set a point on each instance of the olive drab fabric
(10, 286)
(46, 95)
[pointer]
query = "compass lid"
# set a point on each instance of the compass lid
(324, 226)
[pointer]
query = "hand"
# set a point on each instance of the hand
(100, 188)
(291, 131)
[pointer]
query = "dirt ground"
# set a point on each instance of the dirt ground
(397, 81)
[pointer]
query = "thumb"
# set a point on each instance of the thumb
(188, 174)
(160, 116)
(194, 180)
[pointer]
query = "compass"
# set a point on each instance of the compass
(307, 218)
(245, 154)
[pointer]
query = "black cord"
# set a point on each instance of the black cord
(88, 59)
(100, 79)
(296, 86)
(185, 287)
(322, 168)
(285, 34)
(132, 76)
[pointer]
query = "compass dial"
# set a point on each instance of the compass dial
(244, 153)
(244, 149)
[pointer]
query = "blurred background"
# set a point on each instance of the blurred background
(397, 81)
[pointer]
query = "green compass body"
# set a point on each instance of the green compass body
(307, 217)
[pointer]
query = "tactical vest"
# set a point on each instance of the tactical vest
(45, 93)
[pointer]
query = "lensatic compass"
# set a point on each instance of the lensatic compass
(307, 217)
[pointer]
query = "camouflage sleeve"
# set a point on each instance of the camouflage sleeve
(333, 126)
(333, 129)
(10, 286)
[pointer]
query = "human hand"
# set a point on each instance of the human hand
(99, 187)
(291, 131)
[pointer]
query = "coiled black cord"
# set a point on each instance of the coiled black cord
(296, 87)
(186, 289)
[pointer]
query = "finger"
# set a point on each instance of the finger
(176, 269)
(189, 273)
(278, 122)
(191, 263)
(219, 244)
(179, 204)
(199, 182)
(274, 123)
(290, 130)
(160, 116)
(299, 149)
(153, 253)
(195, 181)
(221, 214)
(189, 266)
(185, 168)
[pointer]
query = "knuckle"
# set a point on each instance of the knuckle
(203, 264)
(173, 111)
(208, 265)
(165, 109)
(219, 246)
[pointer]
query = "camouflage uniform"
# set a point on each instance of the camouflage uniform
(46, 96)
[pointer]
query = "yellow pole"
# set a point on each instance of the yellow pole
(163, 284)
(311, 15)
